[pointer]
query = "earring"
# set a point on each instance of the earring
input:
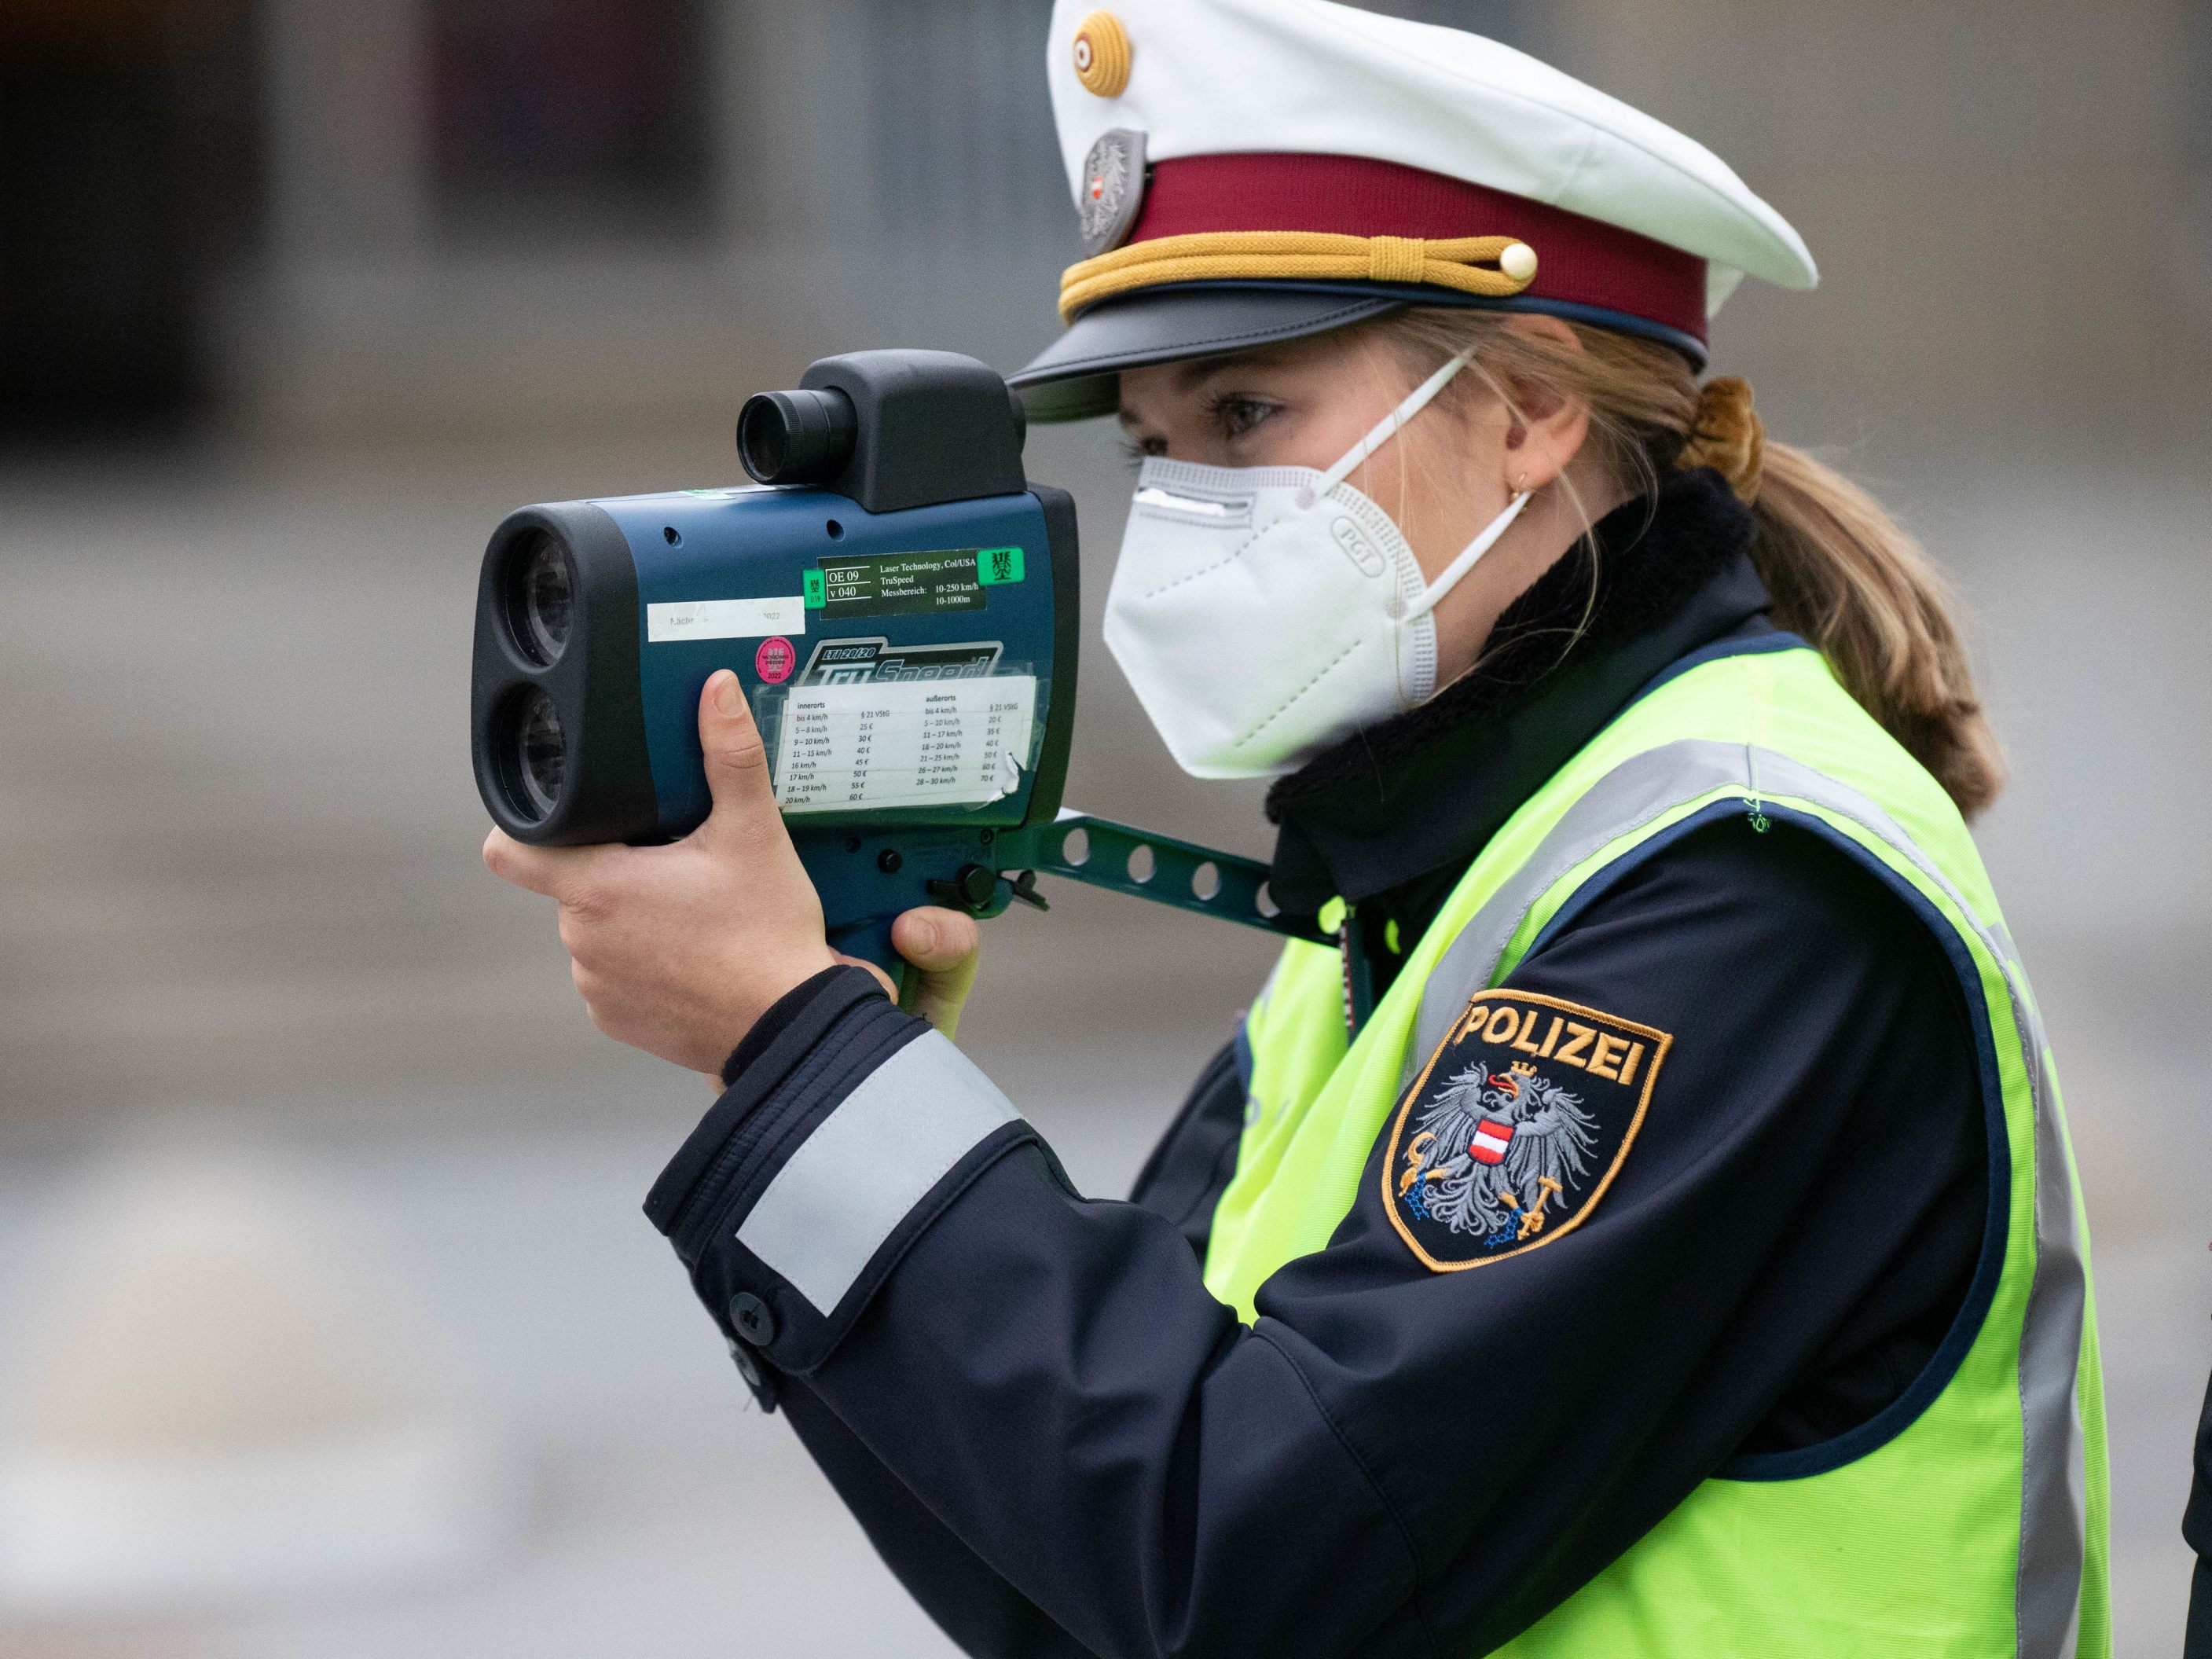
(1521, 484)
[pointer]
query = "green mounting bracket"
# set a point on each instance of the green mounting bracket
(1161, 868)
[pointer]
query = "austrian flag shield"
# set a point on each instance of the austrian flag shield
(1516, 1126)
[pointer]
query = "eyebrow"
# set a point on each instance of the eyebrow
(1196, 371)
(1199, 370)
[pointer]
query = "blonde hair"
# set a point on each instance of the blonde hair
(1843, 573)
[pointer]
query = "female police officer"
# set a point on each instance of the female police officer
(1650, 1231)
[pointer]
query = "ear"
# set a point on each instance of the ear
(1550, 426)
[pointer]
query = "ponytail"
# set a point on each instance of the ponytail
(1845, 575)
(1842, 572)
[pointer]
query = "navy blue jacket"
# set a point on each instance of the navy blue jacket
(1063, 1445)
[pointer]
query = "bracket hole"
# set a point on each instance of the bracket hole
(1141, 864)
(1206, 881)
(1264, 903)
(1075, 848)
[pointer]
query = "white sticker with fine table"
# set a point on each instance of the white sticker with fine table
(914, 743)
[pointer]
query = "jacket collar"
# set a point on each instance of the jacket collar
(1399, 809)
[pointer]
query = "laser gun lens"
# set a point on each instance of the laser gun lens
(545, 598)
(541, 752)
(539, 599)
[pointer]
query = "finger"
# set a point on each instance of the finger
(937, 940)
(547, 870)
(943, 949)
(736, 760)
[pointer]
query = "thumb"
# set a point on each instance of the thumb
(942, 948)
(736, 759)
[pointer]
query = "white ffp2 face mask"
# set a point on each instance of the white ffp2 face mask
(1261, 613)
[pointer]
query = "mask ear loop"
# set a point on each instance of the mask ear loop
(1383, 430)
(1457, 569)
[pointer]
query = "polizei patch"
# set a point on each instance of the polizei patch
(1516, 1126)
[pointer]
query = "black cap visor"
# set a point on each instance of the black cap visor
(1078, 376)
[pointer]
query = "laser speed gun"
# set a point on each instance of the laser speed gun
(900, 605)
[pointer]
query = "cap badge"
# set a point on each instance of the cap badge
(1113, 189)
(1102, 54)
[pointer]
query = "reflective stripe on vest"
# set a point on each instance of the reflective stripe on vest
(1655, 774)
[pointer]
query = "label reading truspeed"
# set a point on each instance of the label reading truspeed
(858, 659)
(908, 742)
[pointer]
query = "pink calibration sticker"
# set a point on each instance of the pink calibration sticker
(774, 659)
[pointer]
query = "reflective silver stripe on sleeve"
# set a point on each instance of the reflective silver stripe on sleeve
(869, 1162)
(2054, 1502)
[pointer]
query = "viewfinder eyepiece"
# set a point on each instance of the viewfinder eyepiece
(796, 437)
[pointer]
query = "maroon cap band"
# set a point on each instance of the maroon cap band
(1580, 261)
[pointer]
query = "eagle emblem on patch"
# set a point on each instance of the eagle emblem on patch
(1112, 190)
(1516, 1126)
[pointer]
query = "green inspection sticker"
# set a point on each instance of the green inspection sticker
(810, 582)
(994, 565)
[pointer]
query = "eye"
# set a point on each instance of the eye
(1135, 450)
(1234, 414)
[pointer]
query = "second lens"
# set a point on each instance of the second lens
(541, 753)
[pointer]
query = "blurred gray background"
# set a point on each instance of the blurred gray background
(308, 1151)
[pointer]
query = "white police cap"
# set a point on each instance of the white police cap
(1253, 170)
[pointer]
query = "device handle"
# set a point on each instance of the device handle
(870, 940)
(1162, 868)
